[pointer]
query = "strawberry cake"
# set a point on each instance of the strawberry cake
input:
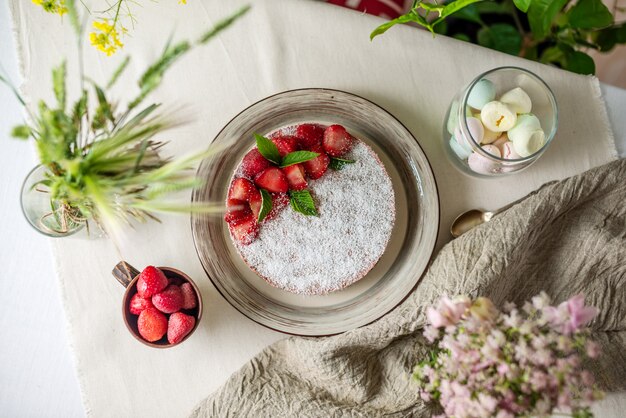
(310, 209)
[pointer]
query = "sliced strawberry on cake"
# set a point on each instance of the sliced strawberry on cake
(316, 167)
(309, 135)
(295, 177)
(244, 230)
(244, 202)
(255, 201)
(285, 144)
(337, 141)
(253, 163)
(273, 180)
(241, 189)
(236, 209)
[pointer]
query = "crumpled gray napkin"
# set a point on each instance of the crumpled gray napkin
(568, 238)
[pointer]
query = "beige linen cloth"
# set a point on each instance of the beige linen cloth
(568, 238)
(278, 45)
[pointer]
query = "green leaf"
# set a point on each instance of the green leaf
(223, 24)
(302, 201)
(80, 107)
(73, 14)
(607, 38)
(104, 110)
(118, 72)
(20, 132)
(11, 86)
(268, 149)
(589, 14)
(501, 37)
(58, 83)
(406, 18)
(491, 7)
(266, 205)
(553, 54)
(454, 7)
(298, 157)
(522, 4)
(541, 13)
(581, 63)
(339, 163)
(470, 13)
(153, 76)
(461, 37)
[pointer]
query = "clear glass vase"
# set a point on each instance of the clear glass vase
(494, 154)
(50, 217)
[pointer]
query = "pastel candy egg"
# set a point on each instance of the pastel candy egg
(501, 140)
(461, 151)
(497, 116)
(463, 139)
(507, 150)
(483, 165)
(530, 143)
(528, 121)
(482, 93)
(534, 89)
(476, 129)
(527, 135)
(492, 149)
(518, 100)
(453, 118)
(490, 136)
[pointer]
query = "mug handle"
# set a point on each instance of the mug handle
(124, 273)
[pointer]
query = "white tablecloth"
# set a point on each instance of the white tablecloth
(274, 49)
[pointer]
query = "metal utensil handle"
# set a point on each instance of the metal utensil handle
(124, 273)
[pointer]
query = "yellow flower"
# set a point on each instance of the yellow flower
(106, 38)
(179, 1)
(52, 6)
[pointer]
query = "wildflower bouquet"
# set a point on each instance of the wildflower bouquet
(520, 362)
(100, 157)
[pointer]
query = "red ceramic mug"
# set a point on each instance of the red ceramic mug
(127, 275)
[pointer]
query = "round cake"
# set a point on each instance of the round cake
(330, 226)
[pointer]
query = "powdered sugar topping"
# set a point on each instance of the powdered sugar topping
(317, 255)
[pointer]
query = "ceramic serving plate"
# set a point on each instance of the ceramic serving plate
(412, 241)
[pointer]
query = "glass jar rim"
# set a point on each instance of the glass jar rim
(476, 146)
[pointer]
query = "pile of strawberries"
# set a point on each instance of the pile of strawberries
(156, 297)
(244, 197)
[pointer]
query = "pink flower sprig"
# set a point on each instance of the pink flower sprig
(520, 362)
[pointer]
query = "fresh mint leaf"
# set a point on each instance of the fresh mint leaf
(302, 201)
(266, 205)
(339, 163)
(268, 149)
(589, 14)
(298, 157)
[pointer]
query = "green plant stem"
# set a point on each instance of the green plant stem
(516, 20)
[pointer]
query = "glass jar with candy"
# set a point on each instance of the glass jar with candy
(501, 123)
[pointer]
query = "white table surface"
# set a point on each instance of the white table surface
(37, 375)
